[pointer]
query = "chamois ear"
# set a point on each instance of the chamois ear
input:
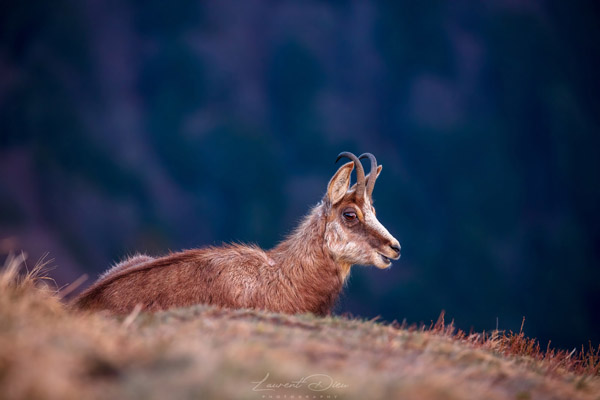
(338, 185)
(379, 168)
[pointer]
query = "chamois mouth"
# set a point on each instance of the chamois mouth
(385, 259)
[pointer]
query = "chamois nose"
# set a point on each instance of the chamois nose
(396, 247)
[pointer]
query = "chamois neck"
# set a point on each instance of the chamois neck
(305, 261)
(305, 247)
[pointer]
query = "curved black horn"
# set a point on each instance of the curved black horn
(360, 172)
(372, 172)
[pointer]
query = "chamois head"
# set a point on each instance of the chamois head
(353, 234)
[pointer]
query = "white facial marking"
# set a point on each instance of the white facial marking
(372, 222)
(340, 246)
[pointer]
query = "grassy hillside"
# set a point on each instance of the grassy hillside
(50, 352)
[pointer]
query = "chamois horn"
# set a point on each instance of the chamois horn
(372, 172)
(360, 172)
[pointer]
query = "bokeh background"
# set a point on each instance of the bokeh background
(148, 125)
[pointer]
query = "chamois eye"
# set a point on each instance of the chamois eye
(349, 215)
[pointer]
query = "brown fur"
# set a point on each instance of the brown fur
(305, 273)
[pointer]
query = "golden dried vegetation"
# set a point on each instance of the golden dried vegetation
(48, 351)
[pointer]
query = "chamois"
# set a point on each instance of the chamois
(304, 273)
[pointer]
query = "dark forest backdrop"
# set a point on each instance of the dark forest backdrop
(150, 125)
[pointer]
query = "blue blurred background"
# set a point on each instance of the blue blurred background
(146, 126)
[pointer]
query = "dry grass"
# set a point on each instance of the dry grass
(585, 362)
(50, 352)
